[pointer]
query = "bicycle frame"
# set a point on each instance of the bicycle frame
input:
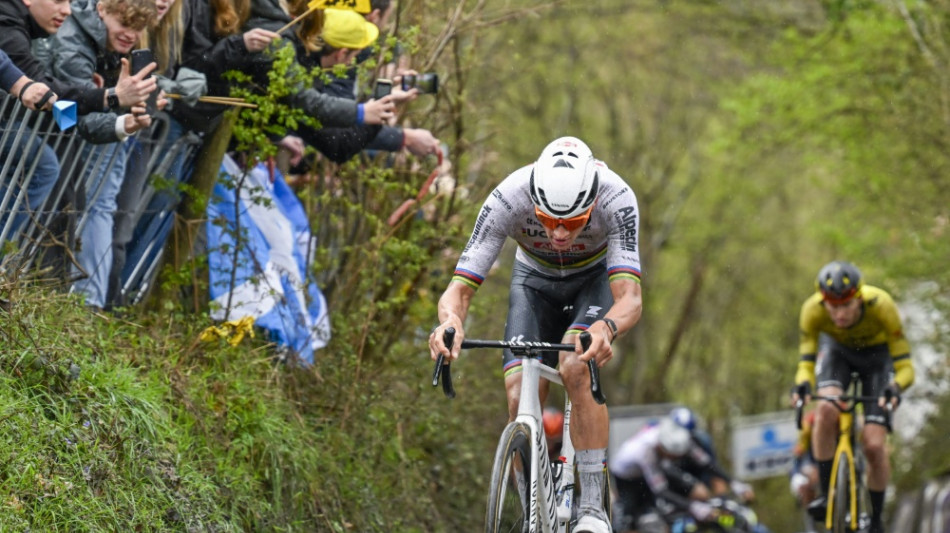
(846, 436)
(542, 503)
(846, 448)
(544, 514)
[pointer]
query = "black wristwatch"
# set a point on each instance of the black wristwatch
(613, 327)
(112, 99)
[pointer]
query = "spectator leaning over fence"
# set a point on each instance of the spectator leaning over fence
(34, 95)
(30, 93)
(22, 22)
(343, 35)
(213, 44)
(163, 140)
(305, 37)
(92, 49)
(391, 138)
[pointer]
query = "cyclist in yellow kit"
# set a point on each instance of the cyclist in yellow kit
(847, 327)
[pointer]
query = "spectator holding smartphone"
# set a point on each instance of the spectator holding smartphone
(91, 47)
(305, 37)
(23, 22)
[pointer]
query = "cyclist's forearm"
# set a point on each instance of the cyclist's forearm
(455, 302)
(678, 500)
(628, 305)
(903, 371)
(806, 370)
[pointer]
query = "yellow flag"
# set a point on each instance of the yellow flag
(234, 331)
(360, 6)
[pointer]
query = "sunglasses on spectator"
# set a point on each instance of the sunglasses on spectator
(570, 224)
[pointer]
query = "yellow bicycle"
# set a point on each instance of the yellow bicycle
(848, 502)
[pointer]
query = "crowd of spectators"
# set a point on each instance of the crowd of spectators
(82, 51)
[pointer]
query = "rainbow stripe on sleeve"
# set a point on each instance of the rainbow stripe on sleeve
(623, 272)
(468, 277)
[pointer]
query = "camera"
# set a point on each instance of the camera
(141, 59)
(383, 88)
(427, 83)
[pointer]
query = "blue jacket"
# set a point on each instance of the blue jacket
(9, 74)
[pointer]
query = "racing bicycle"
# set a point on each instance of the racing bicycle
(848, 501)
(528, 493)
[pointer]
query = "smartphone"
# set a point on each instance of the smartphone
(141, 59)
(427, 83)
(383, 88)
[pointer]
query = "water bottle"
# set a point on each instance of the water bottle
(565, 492)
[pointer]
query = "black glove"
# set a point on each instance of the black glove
(892, 391)
(803, 390)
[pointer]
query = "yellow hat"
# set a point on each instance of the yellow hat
(343, 28)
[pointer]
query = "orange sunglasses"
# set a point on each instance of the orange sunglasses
(570, 224)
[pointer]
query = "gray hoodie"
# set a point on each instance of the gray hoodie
(78, 50)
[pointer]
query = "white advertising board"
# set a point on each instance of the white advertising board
(763, 445)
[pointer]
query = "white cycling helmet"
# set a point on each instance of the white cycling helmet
(674, 438)
(684, 416)
(564, 179)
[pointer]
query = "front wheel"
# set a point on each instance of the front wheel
(508, 497)
(840, 521)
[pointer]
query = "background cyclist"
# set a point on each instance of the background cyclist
(576, 224)
(641, 479)
(700, 461)
(803, 477)
(860, 331)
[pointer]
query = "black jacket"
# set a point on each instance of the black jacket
(17, 30)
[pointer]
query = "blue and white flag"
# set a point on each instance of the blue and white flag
(270, 271)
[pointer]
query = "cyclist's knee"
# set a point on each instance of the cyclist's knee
(826, 415)
(572, 370)
(875, 450)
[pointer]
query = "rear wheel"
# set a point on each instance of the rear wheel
(508, 497)
(842, 504)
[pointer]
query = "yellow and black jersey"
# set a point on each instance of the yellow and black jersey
(880, 323)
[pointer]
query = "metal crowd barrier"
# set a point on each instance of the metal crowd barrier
(56, 225)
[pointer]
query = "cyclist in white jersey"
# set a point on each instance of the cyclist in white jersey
(577, 269)
(641, 479)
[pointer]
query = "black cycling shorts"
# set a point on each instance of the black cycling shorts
(544, 309)
(634, 499)
(873, 364)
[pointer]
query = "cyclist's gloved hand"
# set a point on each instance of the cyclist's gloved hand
(802, 390)
(891, 395)
(742, 490)
(701, 511)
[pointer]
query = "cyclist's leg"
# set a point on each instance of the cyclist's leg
(634, 499)
(589, 421)
(534, 314)
(875, 375)
(833, 375)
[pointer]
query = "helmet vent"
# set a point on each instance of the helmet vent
(561, 163)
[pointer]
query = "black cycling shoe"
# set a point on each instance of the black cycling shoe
(876, 527)
(818, 508)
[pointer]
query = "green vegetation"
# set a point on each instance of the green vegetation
(762, 139)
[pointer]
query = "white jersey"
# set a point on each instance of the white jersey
(610, 235)
(638, 457)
